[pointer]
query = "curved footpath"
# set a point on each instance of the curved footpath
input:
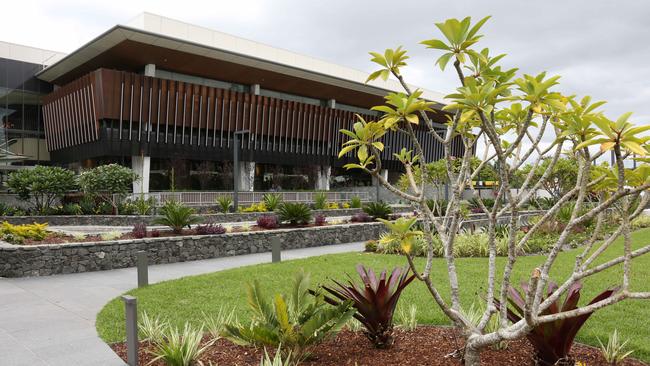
(51, 320)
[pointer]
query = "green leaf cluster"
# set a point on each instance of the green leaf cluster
(297, 321)
(42, 185)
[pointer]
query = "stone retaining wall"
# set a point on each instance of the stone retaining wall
(44, 260)
(130, 220)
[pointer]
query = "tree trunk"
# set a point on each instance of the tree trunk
(472, 356)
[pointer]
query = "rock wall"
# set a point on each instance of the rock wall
(44, 260)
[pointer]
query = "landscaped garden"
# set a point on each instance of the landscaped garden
(195, 299)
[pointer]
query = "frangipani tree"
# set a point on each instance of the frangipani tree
(510, 114)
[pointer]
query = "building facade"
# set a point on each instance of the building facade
(174, 101)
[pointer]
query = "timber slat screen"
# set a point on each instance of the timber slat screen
(141, 109)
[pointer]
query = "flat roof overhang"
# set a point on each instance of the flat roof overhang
(129, 49)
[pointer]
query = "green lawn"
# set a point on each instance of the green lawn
(188, 298)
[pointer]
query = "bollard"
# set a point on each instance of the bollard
(276, 250)
(143, 268)
(131, 314)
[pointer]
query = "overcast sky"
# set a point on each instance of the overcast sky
(601, 48)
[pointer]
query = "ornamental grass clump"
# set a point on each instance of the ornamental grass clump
(374, 298)
(552, 341)
(355, 202)
(177, 216)
(179, 347)
(224, 203)
(272, 201)
(296, 321)
(320, 200)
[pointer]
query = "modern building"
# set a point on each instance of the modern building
(167, 98)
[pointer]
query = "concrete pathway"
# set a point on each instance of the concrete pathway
(51, 320)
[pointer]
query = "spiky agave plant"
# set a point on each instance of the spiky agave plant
(552, 341)
(375, 299)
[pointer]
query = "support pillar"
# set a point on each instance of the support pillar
(331, 103)
(246, 176)
(150, 70)
(323, 174)
(255, 89)
(141, 165)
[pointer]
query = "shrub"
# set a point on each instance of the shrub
(320, 199)
(255, 207)
(72, 209)
(355, 202)
(155, 233)
(88, 205)
(297, 323)
(474, 204)
(179, 347)
(552, 341)
(361, 217)
(295, 213)
(177, 216)
(42, 186)
(320, 220)
(614, 352)
(563, 215)
(224, 203)
(543, 203)
(268, 222)
(375, 299)
(641, 222)
(139, 230)
(333, 206)
(17, 234)
(105, 180)
(371, 246)
(378, 210)
(144, 206)
(152, 329)
(272, 201)
(111, 235)
(210, 229)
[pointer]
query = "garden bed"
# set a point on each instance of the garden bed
(425, 345)
(48, 259)
(129, 220)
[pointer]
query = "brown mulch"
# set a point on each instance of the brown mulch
(424, 346)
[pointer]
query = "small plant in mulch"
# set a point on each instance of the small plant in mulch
(268, 221)
(139, 230)
(155, 233)
(210, 229)
(320, 220)
(552, 341)
(375, 298)
(361, 217)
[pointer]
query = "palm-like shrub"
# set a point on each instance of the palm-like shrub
(320, 200)
(378, 210)
(295, 213)
(297, 323)
(438, 207)
(375, 300)
(177, 216)
(552, 341)
(224, 203)
(272, 201)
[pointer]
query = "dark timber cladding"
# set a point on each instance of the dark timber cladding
(115, 113)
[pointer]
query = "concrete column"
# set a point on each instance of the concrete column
(246, 176)
(141, 165)
(331, 103)
(150, 70)
(384, 174)
(255, 89)
(323, 174)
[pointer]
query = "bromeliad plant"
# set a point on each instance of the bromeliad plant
(375, 299)
(552, 341)
(297, 322)
(508, 115)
